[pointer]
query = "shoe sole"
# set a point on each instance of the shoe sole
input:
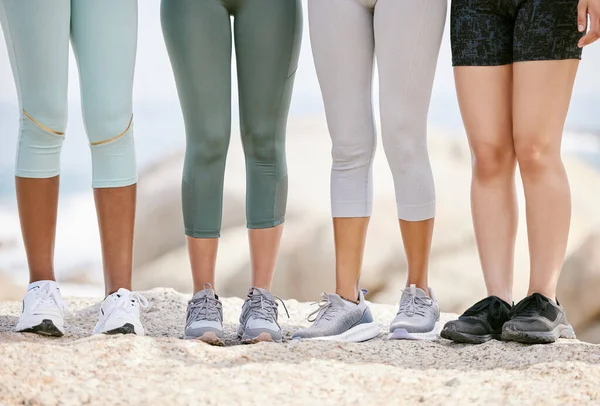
(539, 337)
(45, 328)
(403, 334)
(126, 328)
(451, 333)
(357, 334)
(210, 337)
(261, 338)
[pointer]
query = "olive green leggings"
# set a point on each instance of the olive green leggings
(267, 40)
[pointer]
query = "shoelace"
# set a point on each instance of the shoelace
(530, 306)
(492, 305)
(325, 311)
(48, 296)
(205, 308)
(412, 305)
(263, 307)
(127, 301)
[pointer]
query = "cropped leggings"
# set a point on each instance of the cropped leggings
(104, 38)
(405, 35)
(267, 38)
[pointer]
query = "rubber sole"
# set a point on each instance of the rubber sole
(451, 333)
(210, 337)
(261, 338)
(45, 328)
(127, 328)
(538, 337)
(357, 334)
(403, 334)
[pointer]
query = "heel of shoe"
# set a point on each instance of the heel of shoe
(568, 332)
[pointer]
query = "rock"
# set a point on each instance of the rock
(579, 288)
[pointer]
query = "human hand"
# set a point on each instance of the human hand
(591, 7)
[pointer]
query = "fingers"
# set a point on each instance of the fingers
(593, 34)
(582, 15)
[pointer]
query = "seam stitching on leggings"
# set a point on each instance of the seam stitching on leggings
(42, 126)
(115, 137)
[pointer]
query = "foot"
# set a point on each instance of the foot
(537, 320)
(418, 316)
(258, 321)
(204, 319)
(337, 319)
(43, 310)
(120, 313)
(480, 323)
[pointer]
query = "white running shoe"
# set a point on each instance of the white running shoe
(120, 313)
(43, 310)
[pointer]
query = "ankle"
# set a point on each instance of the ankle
(349, 295)
(506, 296)
(419, 285)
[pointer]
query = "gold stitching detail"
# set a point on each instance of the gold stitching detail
(117, 137)
(42, 126)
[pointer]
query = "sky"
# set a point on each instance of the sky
(154, 81)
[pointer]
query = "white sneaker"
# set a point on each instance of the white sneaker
(120, 313)
(43, 310)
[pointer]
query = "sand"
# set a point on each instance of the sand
(162, 369)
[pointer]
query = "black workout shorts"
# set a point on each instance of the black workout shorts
(500, 32)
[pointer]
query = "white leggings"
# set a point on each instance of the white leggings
(405, 35)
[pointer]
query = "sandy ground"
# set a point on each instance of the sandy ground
(163, 369)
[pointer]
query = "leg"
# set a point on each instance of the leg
(198, 39)
(484, 95)
(37, 37)
(267, 40)
(343, 47)
(106, 61)
(482, 43)
(542, 92)
(408, 36)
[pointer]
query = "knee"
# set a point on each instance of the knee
(262, 142)
(492, 160)
(113, 151)
(353, 152)
(41, 137)
(206, 146)
(536, 155)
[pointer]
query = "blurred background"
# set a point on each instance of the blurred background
(306, 262)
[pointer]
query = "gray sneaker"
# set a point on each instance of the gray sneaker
(418, 316)
(337, 319)
(204, 319)
(258, 321)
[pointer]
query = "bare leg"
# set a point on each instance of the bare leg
(542, 93)
(203, 259)
(417, 236)
(116, 214)
(350, 235)
(38, 203)
(484, 95)
(264, 247)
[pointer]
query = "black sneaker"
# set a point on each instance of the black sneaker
(537, 320)
(480, 323)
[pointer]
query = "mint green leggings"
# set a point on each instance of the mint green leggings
(104, 38)
(267, 39)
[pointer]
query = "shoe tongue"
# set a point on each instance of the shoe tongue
(259, 291)
(39, 284)
(204, 293)
(412, 290)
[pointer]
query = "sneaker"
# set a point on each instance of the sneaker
(337, 319)
(537, 320)
(480, 323)
(204, 320)
(120, 313)
(258, 321)
(43, 310)
(418, 316)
